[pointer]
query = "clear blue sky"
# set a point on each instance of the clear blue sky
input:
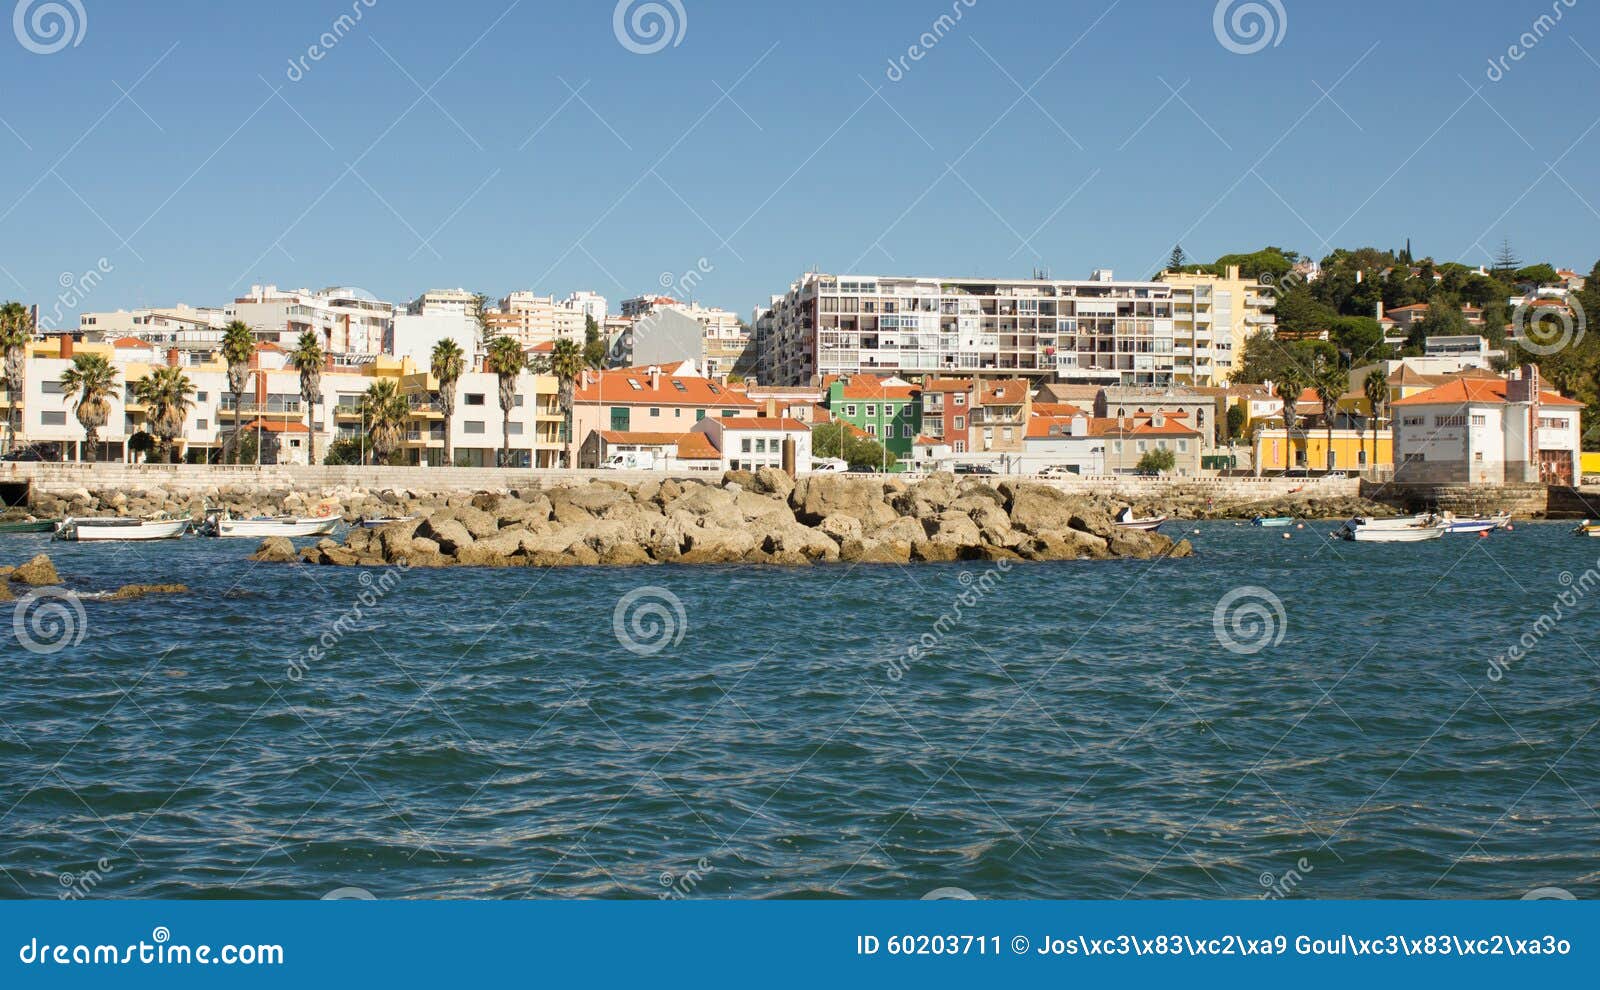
(202, 180)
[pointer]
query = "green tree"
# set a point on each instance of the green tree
(166, 395)
(16, 329)
(1157, 461)
(1235, 421)
(837, 440)
(1330, 380)
(348, 451)
(385, 412)
(594, 346)
(1177, 261)
(448, 364)
(308, 359)
(567, 363)
(1541, 274)
(90, 381)
(1376, 389)
(1292, 380)
(508, 361)
(238, 347)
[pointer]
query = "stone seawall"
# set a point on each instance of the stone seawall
(1521, 500)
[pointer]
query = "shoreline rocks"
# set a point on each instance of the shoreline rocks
(747, 518)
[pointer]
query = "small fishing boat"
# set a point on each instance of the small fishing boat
(1416, 530)
(1474, 526)
(28, 526)
(108, 529)
(1125, 520)
(1588, 528)
(1272, 521)
(221, 524)
(378, 521)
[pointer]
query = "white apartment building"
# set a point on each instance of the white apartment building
(413, 336)
(162, 325)
(445, 302)
(590, 304)
(348, 320)
(1097, 330)
(750, 442)
(534, 319)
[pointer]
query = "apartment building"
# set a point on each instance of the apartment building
(1213, 317)
(1099, 329)
(660, 332)
(750, 442)
(452, 302)
(534, 319)
(348, 321)
(162, 325)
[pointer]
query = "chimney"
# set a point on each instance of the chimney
(772, 408)
(65, 340)
(655, 377)
(173, 360)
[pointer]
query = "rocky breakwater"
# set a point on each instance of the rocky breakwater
(759, 518)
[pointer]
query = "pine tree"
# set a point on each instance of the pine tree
(1178, 261)
(1506, 262)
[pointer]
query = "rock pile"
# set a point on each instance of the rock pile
(749, 518)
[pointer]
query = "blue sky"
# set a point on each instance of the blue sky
(758, 144)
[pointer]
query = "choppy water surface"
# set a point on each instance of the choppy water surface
(1070, 730)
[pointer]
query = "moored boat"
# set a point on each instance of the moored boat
(1272, 521)
(1125, 520)
(106, 529)
(222, 525)
(1411, 529)
(1475, 525)
(1588, 528)
(28, 526)
(377, 521)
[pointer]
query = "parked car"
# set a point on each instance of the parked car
(1060, 471)
(829, 465)
(640, 460)
(23, 454)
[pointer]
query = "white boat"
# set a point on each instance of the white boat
(1588, 528)
(1125, 520)
(107, 529)
(265, 526)
(1416, 530)
(1473, 526)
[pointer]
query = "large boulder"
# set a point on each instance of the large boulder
(477, 522)
(954, 528)
(36, 573)
(793, 538)
(275, 550)
(131, 592)
(819, 496)
(447, 531)
(771, 481)
(841, 527)
(876, 552)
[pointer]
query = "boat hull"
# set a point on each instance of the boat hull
(92, 531)
(1143, 525)
(263, 528)
(1415, 534)
(40, 526)
(1272, 522)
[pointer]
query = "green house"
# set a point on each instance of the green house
(886, 408)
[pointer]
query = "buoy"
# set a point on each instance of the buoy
(1286, 536)
(1196, 533)
(1484, 535)
(1509, 527)
(1300, 526)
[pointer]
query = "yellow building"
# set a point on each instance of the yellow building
(1591, 464)
(1353, 450)
(1212, 317)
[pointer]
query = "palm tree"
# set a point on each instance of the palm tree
(508, 361)
(1291, 382)
(567, 364)
(1376, 388)
(16, 329)
(1330, 381)
(385, 412)
(165, 393)
(90, 379)
(307, 358)
(238, 346)
(449, 363)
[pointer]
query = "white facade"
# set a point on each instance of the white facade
(1478, 434)
(347, 320)
(748, 443)
(413, 336)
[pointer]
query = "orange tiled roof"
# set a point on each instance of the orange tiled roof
(631, 386)
(873, 387)
(1170, 427)
(1056, 409)
(1003, 393)
(1481, 391)
(130, 342)
(947, 385)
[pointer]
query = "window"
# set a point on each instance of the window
(1142, 446)
(680, 386)
(1183, 446)
(633, 383)
(51, 386)
(960, 447)
(1484, 421)
(761, 445)
(744, 445)
(699, 414)
(850, 411)
(474, 426)
(474, 398)
(202, 424)
(1478, 456)
(619, 419)
(1450, 421)
(906, 431)
(1116, 446)
(200, 396)
(516, 401)
(1005, 434)
(961, 422)
(872, 429)
(514, 429)
(729, 413)
(961, 398)
(655, 412)
(872, 410)
(1414, 421)
(52, 419)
